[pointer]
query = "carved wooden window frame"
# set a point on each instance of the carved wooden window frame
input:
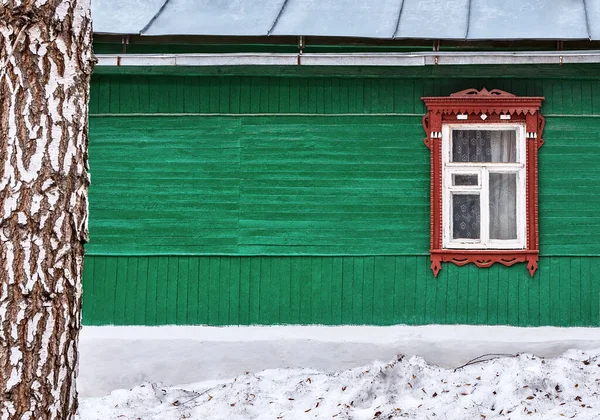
(471, 106)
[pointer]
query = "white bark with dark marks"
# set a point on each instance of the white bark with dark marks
(45, 67)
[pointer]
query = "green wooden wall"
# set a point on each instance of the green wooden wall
(380, 290)
(303, 198)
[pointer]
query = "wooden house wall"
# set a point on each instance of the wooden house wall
(304, 199)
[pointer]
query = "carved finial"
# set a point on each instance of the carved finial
(469, 93)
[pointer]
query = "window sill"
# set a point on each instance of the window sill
(484, 258)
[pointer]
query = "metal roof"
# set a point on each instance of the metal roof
(383, 19)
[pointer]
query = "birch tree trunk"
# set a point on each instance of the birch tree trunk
(45, 67)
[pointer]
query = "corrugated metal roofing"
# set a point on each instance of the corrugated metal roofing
(436, 19)
(384, 19)
(216, 17)
(123, 16)
(517, 19)
(346, 18)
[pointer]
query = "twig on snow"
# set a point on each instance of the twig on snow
(489, 356)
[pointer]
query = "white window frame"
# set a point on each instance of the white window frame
(482, 170)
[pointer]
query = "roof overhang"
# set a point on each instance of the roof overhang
(429, 58)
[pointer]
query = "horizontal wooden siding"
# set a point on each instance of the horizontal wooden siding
(312, 185)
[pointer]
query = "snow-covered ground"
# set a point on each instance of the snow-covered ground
(123, 357)
(521, 387)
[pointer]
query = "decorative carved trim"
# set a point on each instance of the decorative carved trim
(470, 93)
(483, 259)
(471, 106)
(476, 102)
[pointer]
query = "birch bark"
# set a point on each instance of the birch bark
(45, 67)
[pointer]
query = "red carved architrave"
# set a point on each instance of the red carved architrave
(471, 104)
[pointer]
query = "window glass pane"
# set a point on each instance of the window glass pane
(464, 179)
(484, 146)
(466, 216)
(503, 206)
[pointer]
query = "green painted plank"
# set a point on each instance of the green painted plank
(245, 94)
(410, 294)
(472, 294)
(183, 280)
(234, 292)
(274, 96)
(255, 290)
(316, 292)
(534, 297)
(368, 289)
(555, 299)
(284, 95)
(524, 285)
(244, 303)
(214, 94)
(326, 290)
(504, 282)
(141, 291)
(492, 297)
(337, 290)
(275, 298)
(305, 272)
(585, 292)
(162, 291)
(545, 286)
(296, 285)
(482, 296)
(431, 290)
(595, 90)
(379, 291)
(595, 291)
(357, 291)
(110, 290)
(172, 290)
(399, 290)
(152, 285)
(89, 290)
(224, 85)
(347, 290)
(285, 290)
(452, 295)
(214, 281)
(462, 306)
(422, 273)
(204, 265)
(224, 287)
(575, 291)
(513, 298)
(114, 96)
(387, 302)
(565, 292)
(193, 292)
(104, 295)
(267, 287)
(294, 93)
(122, 283)
(437, 313)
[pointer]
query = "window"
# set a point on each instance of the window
(483, 178)
(484, 186)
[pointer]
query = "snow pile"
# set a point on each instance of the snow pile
(521, 387)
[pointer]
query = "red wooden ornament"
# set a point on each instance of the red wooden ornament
(471, 104)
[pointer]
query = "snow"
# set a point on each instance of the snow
(518, 387)
(123, 357)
